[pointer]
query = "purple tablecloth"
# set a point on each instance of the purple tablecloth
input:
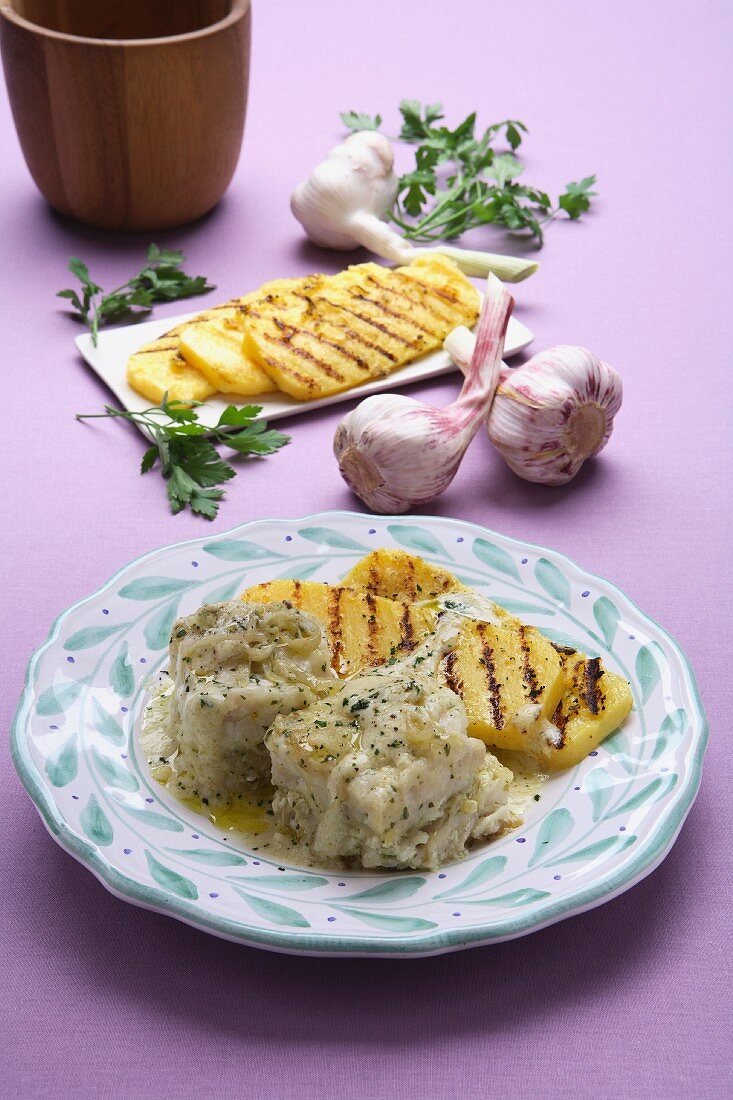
(100, 999)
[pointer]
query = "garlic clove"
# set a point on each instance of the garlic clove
(356, 179)
(553, 413)
(397, 453)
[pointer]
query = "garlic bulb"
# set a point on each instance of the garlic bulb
(551, 414)
(397, 453)
(343, 202)
(554, 412)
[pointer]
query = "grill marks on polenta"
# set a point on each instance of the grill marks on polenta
(494, 690)
(372, 629)
(312, 336)
(512, 679)
(335, 627)
(452, 674)
(534, 687)
(584, 697)
(363, 323)
(592, 694)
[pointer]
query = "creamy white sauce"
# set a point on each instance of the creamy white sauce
(391, 741)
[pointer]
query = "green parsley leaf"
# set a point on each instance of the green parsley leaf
(189, 461)
(576, 199)
(234, 417)
(505, 167)
(354, 121)
(160, 280)
(462, 180)
(259, 443)
(149, 459)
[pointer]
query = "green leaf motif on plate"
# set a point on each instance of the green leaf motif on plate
(472, 582)
(486, 870)
(671, 732)
(515, 899)
(289, 883)
(95, 823)
(113, 774)
(637, 799)
(325, 536)
(593, 851)
(239, 550)
(495, 557)
(396, 889)
(121, 676)
(387, 922)
(151, 818)
(669, 783)
(521, 607)
(158, 628)
(92, 635)
(57, 699)
(607, 617)
(171, 880)
(559, 637)
(105, 724)
(553, 581)
(299, 572)
(599, 786)
(62, 766)
(210, 856)
(273, 911)
(154, 588)
(417, 538)
(618, 746)
(554, 829)
(647, 672)
(225, 592)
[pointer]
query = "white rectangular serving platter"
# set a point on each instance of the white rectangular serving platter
(114, 347)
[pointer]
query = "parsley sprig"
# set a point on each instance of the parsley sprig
(161, 280)
(189, 461)
(461, 181)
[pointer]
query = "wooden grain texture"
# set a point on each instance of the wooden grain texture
(127, 132)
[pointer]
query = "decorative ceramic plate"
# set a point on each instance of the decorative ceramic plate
(109, 361)
(598, 829)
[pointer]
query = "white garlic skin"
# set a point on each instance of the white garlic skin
(396, 453)
(551, 414)
(356, 182)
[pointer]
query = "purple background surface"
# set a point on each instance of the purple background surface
(101, 999)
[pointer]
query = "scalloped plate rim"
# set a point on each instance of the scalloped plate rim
(430, 943)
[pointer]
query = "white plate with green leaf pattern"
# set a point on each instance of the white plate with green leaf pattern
(598, 829)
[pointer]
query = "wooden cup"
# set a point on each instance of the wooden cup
(130, 113)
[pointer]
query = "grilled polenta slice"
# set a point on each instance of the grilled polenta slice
(594, 704)
(397, 575)
(159, 368)
(215, 349)
(358, 325)
(206, 355)
(214, 342)
(362, 629)
(510, 677)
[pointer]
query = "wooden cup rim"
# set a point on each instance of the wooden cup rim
(238, 11)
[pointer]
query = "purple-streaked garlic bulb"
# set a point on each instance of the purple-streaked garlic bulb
(551, 414)
(397, 453)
